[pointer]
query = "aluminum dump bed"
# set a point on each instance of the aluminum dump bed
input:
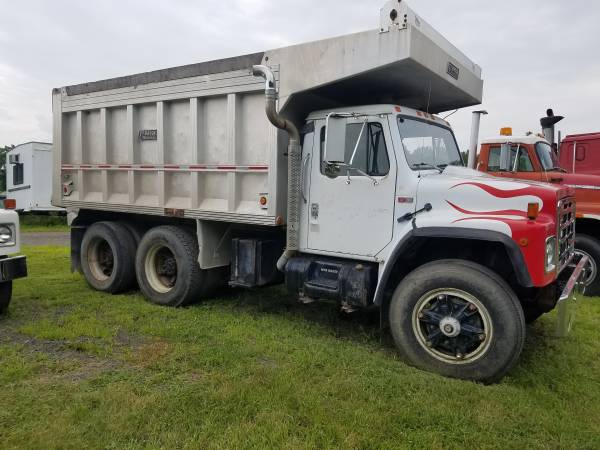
(194, 141)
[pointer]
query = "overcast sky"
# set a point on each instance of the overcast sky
(534, 53)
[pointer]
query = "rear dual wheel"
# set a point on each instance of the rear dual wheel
(458, 319)
(167, 268)
(108, 257)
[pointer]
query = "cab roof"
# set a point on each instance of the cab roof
(531, 139)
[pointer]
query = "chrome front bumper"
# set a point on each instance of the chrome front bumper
(573, 289)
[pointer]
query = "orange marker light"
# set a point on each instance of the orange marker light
(533, 211)
(263, 201)
(10, 203)
(506, 131)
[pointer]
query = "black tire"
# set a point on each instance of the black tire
(497, 319)
(167, 268)
(137, 232)
(591, 247)
(108, 257)
(5, 296)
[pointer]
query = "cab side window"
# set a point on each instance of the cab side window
(365, 149)
(519, 160)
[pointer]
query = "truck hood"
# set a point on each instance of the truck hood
(470, 199)
(577, 180)
(561, 191)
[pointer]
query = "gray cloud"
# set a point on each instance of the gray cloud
(534, 54)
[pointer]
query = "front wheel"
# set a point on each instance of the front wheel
(588, 246)
(458, 319)
(5, 296)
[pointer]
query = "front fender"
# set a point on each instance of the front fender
(512, 249)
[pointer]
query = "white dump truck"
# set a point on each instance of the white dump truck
(347, 186)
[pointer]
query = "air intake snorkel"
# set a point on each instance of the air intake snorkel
(294, 164)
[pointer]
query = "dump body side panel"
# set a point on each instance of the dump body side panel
(198, 147)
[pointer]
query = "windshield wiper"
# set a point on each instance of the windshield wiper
(428, 166)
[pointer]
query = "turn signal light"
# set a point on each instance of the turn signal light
(506, 131)
(533, 211)
(10, 203)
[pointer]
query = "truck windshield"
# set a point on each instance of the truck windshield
(548, 158)
(428, 146)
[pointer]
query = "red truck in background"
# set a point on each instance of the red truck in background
(580, 153)
(534, 158)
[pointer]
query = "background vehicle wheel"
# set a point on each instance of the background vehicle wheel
(458, 319)
(108, 257)
(167, 268)
(588, 246)
(5, 296)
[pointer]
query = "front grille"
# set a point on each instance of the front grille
(566, 231)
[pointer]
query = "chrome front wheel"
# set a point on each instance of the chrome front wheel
(452, 326)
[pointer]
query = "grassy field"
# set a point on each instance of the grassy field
(79, 369)
(36, 224)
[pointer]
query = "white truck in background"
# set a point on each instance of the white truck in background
(29, 177)
(12, 266)
(349, 186)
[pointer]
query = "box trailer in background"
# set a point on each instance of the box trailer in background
(324, 163)
(29, 177)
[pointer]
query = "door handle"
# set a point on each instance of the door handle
(302, 180)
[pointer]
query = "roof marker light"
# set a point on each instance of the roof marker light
(506, 131)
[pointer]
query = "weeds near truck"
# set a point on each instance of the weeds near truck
(79, 369)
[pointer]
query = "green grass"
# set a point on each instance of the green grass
(36, 224)
(80, 369)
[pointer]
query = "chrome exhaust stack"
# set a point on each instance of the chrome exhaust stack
(294, 164)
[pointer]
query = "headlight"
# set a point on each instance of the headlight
(6, 235)
(551, 254)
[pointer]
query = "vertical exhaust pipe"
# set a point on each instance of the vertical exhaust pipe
(474, 138)
(294, 164)
(549, 125)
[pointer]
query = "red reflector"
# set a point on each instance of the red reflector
(10, 203)
(533, 211)
(263, 201)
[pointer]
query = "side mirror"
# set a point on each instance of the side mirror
(505, 152)
(335, 139)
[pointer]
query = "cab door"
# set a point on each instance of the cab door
(352, 212)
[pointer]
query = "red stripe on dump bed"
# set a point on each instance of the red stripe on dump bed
(125, 166)
(197, 167)
(104, 166)
(258, 167)
(226, 167)
(147, 167)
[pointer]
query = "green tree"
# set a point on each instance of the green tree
(3, 151)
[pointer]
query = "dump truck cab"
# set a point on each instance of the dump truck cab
(533, 158)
